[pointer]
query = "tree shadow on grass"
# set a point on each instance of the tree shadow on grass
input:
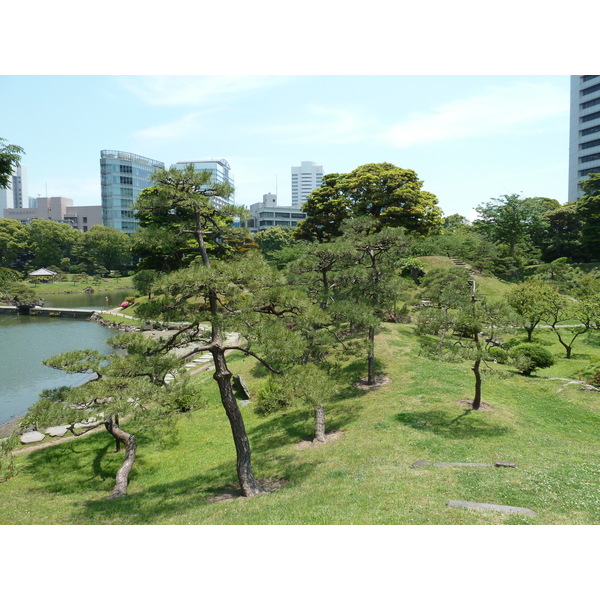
(464, 426)
(298, 424)
(79, 466)
(162, 502)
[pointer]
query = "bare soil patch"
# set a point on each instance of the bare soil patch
(329, 437)
(469, 404)
(380, 380)
(272, 484)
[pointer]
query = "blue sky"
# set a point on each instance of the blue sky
(469, 137)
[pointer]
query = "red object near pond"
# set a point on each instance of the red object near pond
(124, 304)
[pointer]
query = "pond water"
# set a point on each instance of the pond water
(95, 300)
(26, 341)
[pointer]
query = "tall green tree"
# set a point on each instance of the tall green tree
(10, 157)
(173, 210)
(242, 294)
(51, 242)
(14, 244)
(105, 247)
(563, 236)
(531, 300)
(589, 211)
(511, 220)
(390, 194)
(371, 281)
(456, 306)
(273, 239)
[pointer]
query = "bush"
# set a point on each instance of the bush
(498, 354)
(272, 397)
(528, 357)
(591, 374)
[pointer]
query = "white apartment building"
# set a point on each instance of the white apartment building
(16, 195)
(305, 178)
(267, 214)
(584, 138)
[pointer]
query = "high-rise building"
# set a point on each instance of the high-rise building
(220, 173)
(584, 140)
(123, 176)
(305, 178)
(16, 195)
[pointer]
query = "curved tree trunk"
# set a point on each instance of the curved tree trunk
(122, 478)
(222, 376)
(319, 424)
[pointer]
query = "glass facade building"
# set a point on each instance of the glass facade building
(584, 141)
(220, 173)
(123, 176)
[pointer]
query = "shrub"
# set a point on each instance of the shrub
(528, 357)
(591, 374)
(498, 354)
(272, 397)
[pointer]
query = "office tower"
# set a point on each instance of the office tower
(305, 178)
(220, 173)
(584, 139)
(123, 176)
(16, 194)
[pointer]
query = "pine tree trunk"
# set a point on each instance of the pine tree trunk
(319, 424)
(122, 478)
(477, 398)
(222, 376)
(371, 357)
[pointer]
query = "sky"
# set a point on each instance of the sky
(469, 137)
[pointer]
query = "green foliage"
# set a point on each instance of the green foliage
(171, 211)
(498, 354)
(512, 220)
(563, 236)
(588, 210)
(144, 280)
(10, 157)
(531, 300)
(389, 194)
(14, 244)
(51, 241)
(591, 374)
(529, 357)
(306, 383)
(103, 249)
(274, 239)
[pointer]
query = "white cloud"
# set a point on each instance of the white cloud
(497, 111)
(195, 91)
(323, 124)
(186, 126)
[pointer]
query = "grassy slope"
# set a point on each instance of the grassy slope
(363, 477)
(78, 285)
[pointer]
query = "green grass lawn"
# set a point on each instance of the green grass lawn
(365, 476)
(78, 284)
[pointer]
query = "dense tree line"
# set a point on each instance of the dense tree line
(61, 248)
